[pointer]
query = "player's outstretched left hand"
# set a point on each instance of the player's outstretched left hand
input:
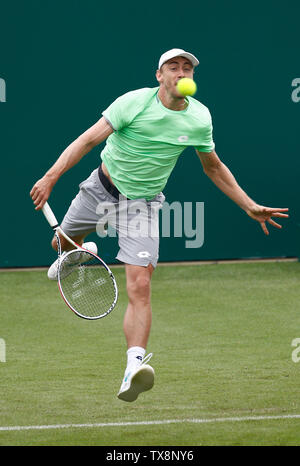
(264, 214)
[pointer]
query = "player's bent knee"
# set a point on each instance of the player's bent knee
(54, 243)
(139, 288)
(66, 245)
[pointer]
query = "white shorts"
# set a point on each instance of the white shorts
(135, 221)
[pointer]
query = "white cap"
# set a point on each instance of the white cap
(177, 53)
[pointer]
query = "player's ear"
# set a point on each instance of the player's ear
(159, 76)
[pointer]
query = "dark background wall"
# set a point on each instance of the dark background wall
(64, 62)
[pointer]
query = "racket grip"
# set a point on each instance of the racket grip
(47, 211)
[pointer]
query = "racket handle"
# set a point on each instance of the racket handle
(47, 211)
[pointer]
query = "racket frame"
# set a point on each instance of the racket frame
(50, 217)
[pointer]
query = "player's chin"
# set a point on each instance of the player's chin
(176, 94)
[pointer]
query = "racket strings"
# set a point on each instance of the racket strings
(86, 284)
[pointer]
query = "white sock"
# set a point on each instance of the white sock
(135, 355)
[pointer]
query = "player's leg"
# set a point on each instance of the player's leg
(139, 252)
(138, 316)
(138, 376)
(66, 245)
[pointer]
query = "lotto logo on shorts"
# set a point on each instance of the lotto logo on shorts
(144, 254)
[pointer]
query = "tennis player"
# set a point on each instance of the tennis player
(145, 130)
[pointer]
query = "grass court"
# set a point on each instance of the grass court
(222, 352)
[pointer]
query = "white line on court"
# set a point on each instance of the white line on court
(150, 423)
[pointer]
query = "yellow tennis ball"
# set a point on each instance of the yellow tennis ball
(186, 86)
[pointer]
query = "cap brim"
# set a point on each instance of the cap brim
(190, 57)
(178, 53)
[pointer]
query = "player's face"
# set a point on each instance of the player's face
(173, 70)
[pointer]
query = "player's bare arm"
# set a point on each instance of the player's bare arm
(70, 157)
(222, 177)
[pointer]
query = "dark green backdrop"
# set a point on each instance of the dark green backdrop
(65, 61)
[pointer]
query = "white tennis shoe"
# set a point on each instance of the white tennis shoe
(53, 269)
(137, 381)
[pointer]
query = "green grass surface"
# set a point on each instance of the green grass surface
(221, 339)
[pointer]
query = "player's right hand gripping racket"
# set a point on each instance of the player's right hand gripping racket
(86, 283)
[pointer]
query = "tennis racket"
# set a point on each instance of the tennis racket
(86, 283)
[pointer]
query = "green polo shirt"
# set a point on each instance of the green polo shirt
(148, 138)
